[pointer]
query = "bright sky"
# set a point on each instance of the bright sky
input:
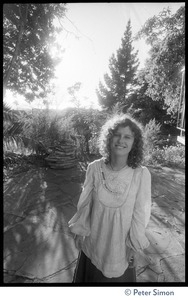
(99, 28)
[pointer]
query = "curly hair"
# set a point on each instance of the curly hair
(135, 156)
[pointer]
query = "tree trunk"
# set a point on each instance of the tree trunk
(16, 52)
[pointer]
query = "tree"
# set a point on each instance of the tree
(119, 86)
(28, 31)
(143, 107)
(166, 35)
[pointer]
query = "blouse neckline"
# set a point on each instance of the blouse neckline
(114, 171)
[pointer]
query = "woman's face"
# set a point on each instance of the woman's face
(122, 141)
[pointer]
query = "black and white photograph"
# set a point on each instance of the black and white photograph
(94, 146)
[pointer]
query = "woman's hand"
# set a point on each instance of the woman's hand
(146, 253)
(131, 256)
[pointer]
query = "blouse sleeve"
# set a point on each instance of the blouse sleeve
(137, 239)
(80, 222)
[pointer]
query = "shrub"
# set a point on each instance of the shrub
(12, 128)
(44, 130)
(175, 155)
(151, 136)
(86, 124)
(93, 145)
(172, 156)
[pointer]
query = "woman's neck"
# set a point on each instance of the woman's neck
(118, 163)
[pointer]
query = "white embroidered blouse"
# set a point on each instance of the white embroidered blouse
(112, 213)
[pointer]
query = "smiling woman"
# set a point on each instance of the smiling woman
(120, 146)
(126, 132)
(114, 207)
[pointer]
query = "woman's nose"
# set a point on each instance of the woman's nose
(120, 139)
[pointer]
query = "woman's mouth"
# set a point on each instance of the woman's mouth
(120, 147)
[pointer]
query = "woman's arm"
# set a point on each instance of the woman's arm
(80, 222)
(137, 239)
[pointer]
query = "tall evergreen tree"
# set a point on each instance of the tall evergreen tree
(119, 85)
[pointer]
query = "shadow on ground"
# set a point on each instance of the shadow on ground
(39, 248)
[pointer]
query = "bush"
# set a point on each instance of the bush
(45, 129)
(86, 124)
(93, 145)
(175, 155)
(172, 156)
(152, 137)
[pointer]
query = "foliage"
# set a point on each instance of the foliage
(172, 156)
(86, 124)
(175, 155)
(8, 114)
(151, 136)
(166, 35)
(28, 32)
(120, 84)
(43, 131)
(159, 151)
(12, 127)
(144, 108)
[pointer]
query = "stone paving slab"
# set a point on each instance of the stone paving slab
(38, 246)
(166, 229)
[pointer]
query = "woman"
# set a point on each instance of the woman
(114, 206)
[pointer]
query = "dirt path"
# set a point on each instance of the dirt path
(38, 247)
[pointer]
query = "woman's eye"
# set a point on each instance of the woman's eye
(125, 137)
